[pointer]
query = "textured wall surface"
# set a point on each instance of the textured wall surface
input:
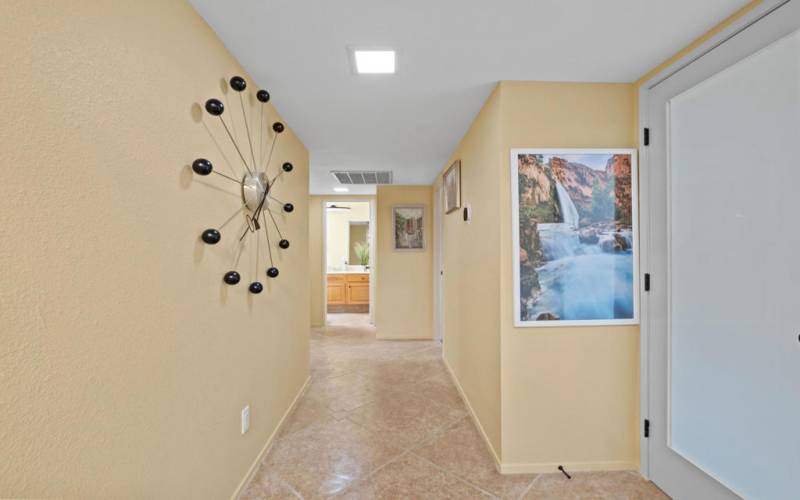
(543, 396)
(570, 394)
(124, 360)
(404, 280)
(471, 261)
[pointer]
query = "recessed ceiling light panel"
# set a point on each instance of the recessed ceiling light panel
(374, 61)
(341, 189)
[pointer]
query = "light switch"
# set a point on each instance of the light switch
(245, 419)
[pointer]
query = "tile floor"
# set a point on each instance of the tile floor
(383, 420)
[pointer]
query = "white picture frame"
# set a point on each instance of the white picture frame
(572, 268)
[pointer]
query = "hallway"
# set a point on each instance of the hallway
(382, 419)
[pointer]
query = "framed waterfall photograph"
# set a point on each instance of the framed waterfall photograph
(575, 237)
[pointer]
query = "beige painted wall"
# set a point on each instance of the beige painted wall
(124, 359)
(403, 280)
(471, 262)
(543, 396)
(338, 231)
(569, 394)
(316, 251)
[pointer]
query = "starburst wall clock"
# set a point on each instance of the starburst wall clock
(253, 183)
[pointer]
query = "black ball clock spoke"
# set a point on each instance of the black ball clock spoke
(269, 245)
(271, 149)
(214, 107)
(211, 236)
(231, 277)
(238, 83)
(275, 223)
(255, 186)
(201, 166)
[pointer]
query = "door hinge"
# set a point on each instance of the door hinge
(646, 282)
(647, 428)
(646, 136)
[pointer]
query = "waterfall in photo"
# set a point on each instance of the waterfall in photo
(569, 214)
(560, 239)
(587, 273)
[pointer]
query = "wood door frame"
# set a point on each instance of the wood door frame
(645, 212)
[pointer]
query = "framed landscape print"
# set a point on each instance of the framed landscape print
(409, 232)
(575, 236)
(452, 187)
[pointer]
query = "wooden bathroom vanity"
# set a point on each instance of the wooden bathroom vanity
(348, 292)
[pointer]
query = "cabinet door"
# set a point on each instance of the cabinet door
(336, 293)
(358, 293)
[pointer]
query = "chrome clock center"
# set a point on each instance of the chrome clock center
(254, 188)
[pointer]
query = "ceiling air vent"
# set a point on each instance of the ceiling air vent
(363, 177)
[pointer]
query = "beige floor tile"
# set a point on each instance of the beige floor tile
(410, 477)
(369, 403)
(325, 458)
(594, 485)
(268, 488)
(307, 412)
(426, 353)
(461, 450)
(341, 392)
(439, 389)
(394, 372)
(413, 418)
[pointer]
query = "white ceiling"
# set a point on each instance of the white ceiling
(450, 55)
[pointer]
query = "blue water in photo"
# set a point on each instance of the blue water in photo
(583, 281)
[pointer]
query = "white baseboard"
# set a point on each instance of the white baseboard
(543, 468)
(392, 337)
(473, 415)
(536, 468)
(265, 449)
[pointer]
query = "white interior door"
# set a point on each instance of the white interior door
(724, 235)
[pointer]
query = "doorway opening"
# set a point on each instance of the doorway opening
(349, 256)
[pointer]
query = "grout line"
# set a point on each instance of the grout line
(331, 347)
(455, 474)
(528, 488)
(293, 490)
(360, 480)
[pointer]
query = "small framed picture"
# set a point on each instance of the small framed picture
(452, 187)
(409, 230)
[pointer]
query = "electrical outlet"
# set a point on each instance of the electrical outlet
(245, 419)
